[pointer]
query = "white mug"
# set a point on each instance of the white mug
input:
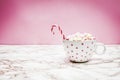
(81, 51)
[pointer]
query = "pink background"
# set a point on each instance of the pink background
(29, 21)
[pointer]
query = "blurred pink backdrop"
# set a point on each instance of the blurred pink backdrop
(29, 21)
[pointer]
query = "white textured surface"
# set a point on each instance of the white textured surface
(48, 62)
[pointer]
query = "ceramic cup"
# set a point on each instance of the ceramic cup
(81, 51)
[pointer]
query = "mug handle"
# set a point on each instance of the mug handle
(104, 48)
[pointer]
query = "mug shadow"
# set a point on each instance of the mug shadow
(78, 62)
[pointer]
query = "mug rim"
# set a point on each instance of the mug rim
(78, 41)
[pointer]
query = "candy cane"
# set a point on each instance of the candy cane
(60, 30)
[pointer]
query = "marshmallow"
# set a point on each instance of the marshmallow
(80, 37)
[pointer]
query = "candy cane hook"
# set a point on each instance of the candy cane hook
(60, 30)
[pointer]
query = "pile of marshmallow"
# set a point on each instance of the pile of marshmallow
(80, 37)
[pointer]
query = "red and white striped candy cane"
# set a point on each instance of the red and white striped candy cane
(60, 30)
